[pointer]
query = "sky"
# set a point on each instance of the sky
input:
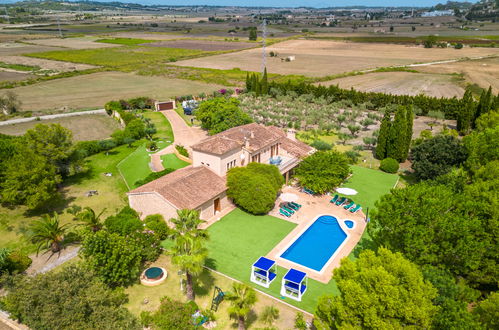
(296, 3)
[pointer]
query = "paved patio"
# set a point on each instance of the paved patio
(312, 206)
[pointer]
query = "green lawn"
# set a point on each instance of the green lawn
(370, 185)
(163, 126)
(172, 161)
(239, 239)
(125, 41)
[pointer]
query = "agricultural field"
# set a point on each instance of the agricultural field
(402, 83)
(73, 43)
(56, 66)
(316, 58)
(14, 76)
(94, 90)
(484, 72)
(84, 127)
(205, 45)
(21, 48)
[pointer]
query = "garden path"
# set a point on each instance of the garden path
(182, 134)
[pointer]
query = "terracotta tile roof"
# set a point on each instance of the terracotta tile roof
(257, 135)
(294, 147)
(186, 188)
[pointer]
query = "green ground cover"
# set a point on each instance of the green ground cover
(125, 41)
(163, 126)
(172, 161)
(370, 185)
(239, 239)
(121, 57)
(136, 166)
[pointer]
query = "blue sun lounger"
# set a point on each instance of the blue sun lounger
(283, 212)
(295, 204)
(349, 205)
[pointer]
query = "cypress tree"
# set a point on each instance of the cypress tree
(408, 134)
(466, 114)
(256, 85)
(383, 136)
(395, 147)
(248, 82)
(264, 86)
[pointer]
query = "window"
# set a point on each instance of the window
(256, 158)
(231, 164)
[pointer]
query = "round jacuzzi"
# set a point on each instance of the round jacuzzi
(350, 224)
(153, 276)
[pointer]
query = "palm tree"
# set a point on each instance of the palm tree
(88, 218)
(241, 299)
(188, 251)
(48, 233)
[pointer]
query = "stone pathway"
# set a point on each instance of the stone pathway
(60, 115)
(42, 263)
(183, 134)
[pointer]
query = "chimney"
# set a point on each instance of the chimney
(291, 134)
(246, 142)
(252, 135)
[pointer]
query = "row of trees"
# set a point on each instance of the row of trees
(450, 107)
(395, 136)
(471, 110)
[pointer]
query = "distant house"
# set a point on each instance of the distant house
(202, 186)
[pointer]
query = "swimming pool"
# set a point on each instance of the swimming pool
(317, 244)
(350, 224)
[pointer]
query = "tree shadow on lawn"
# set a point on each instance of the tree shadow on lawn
(250, 319)
(204, 283)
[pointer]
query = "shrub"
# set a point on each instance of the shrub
(254, 187)
(321, 145)
(389, 165)
(171, 314)
(88, 148)
(153, 176)
(181, 150)
(152, 146)
(125, 222)
(458, 46)
(323, 171)
(112, 106)
(18, 262)
(157, 224)
(353, 156)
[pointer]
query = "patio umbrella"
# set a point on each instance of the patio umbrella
(346, 191)
(288, 197)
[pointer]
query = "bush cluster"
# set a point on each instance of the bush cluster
(181, 150)
(389, 165)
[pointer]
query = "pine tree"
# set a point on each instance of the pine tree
(397, 136)
(252, 34)
(408, 134)
(264, 86)
(257, 88)
(383, 136)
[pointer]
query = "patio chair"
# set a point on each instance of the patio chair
(335, 198)
(296, 204)
(291, 206)
(355, 209)
(349, 205)
(290, 211)
(341, 201)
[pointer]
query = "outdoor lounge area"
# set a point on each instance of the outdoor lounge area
(294, 284)
(263, 272)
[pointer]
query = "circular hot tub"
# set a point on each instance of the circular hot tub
(350, 224)
(153, 276)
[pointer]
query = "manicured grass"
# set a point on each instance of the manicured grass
(125, 41)
(136, 166)
(120, 57)
(370, 185)
(239, 239)
(172, 161)
(163, 126)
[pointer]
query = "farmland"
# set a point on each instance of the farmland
(401, 83)
(94, 90)
(86, 127)
(56, 66)
(205, 45)
(72, 43)
(316, 58)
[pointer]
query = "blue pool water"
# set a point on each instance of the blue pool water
(349, 223)
(317, 244)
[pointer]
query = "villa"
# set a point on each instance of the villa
(202, 185)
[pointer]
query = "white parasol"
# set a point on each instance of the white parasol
(346, 191)
(288, 197)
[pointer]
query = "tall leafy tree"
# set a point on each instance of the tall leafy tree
(73, 298)
(264, 89)
(466, 114)
(408, 133)
(49, 233)
(323, 171)
(437, 156)
(377, 291)
(219, 114)
(488, 312)
(53, 142)
(397, 140)
(481, 147)
(188, 251)
(242, 298)
(29, 179)
(115, 259)
(381, 145)
(484, 104)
